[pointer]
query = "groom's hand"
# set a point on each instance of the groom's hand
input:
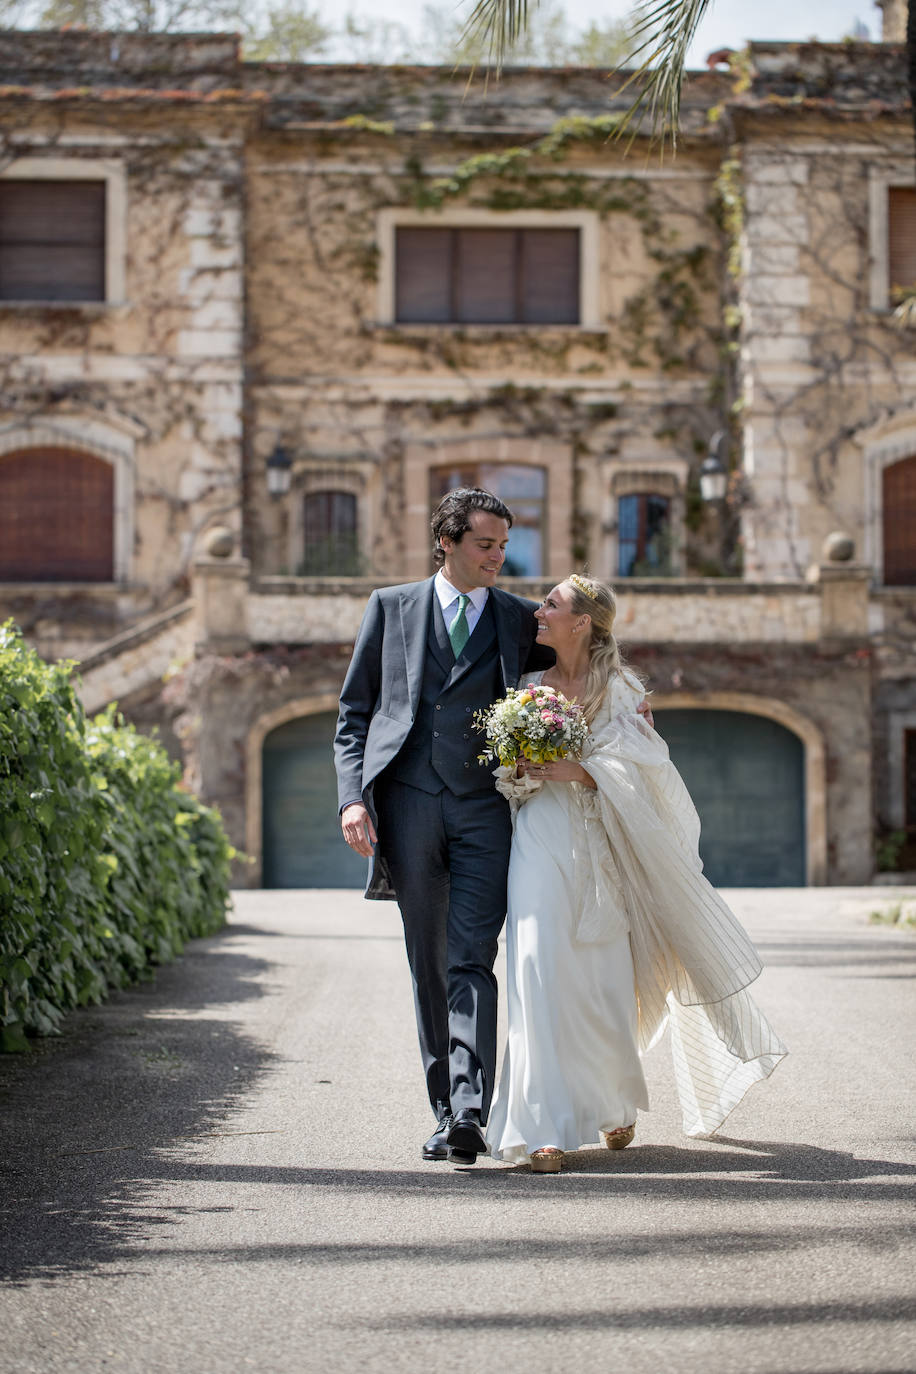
(358, 830)
(645, 710)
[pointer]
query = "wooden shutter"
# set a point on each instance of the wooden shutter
(52, 240)
(487, 289)
(899, 518)
(56, 517)
(487, 276)
(550, 276)
(901, 238)
(423, 276)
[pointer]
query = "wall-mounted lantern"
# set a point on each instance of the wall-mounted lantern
(279, 471)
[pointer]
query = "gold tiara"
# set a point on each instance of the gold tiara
(582, 586)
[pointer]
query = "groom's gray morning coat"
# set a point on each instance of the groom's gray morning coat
(382, 693)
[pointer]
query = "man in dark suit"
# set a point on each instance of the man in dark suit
(413, 797)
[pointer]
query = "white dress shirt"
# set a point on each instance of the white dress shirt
(448, 600)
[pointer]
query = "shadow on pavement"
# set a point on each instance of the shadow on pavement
(92, 1124)
(764, 1171)
(705, 1315)
(85, 1119)
(619, 1247)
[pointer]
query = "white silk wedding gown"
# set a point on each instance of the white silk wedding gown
(613, 933)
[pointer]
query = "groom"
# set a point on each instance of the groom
(413, 797)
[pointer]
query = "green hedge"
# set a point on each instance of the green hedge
(106, 865)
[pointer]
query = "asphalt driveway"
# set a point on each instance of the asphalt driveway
(220, 1170)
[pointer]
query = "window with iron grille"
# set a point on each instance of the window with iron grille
(486, 276)
(56, 517)
(331, 543)
(644, 535)
(52, 240)
(523, 487)
(899, 523)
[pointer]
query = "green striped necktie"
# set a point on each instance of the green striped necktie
(459, 632)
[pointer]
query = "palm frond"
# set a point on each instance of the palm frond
(498, 23)
(663, 32)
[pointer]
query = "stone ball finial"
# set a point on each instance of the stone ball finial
(839, 547)
(219, 542)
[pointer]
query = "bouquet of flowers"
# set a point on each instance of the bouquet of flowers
(534, 723)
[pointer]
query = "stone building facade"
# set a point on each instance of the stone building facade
(377, 283)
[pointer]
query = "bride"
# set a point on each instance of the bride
(612, 930)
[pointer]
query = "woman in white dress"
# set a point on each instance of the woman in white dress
(612, 930)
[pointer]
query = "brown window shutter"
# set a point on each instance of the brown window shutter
(899, 515)
(56, 517)
(487, 291)
(423, 273)
(52, 240)
(901, 238)
(487, 276)
(550, 272)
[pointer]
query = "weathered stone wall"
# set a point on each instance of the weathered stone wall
(152, 380)
(344, 386)
(267, 190)
(138, 661)
(216, 705)
(821, 364)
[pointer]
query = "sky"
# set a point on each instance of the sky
(728, 24)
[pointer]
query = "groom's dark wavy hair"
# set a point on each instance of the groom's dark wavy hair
(452, 516)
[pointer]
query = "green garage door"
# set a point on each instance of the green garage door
(303, 846)
(746, 777)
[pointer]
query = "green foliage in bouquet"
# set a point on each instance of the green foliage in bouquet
(535, 723)
(106, 865)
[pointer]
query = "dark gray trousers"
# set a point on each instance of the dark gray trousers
(449, 858)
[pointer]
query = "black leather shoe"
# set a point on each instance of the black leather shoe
(437, 1145)
(465, 1139)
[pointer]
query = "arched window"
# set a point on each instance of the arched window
(56, 516)
(899, 517)
(331, 539)
(523, 487)
(644, 535)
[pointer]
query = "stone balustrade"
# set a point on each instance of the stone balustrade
(229, 615)
(308, 611)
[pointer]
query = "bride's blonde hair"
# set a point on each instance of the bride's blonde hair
(596, 600)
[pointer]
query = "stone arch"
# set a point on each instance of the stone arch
(815, 756)
(254, 819)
